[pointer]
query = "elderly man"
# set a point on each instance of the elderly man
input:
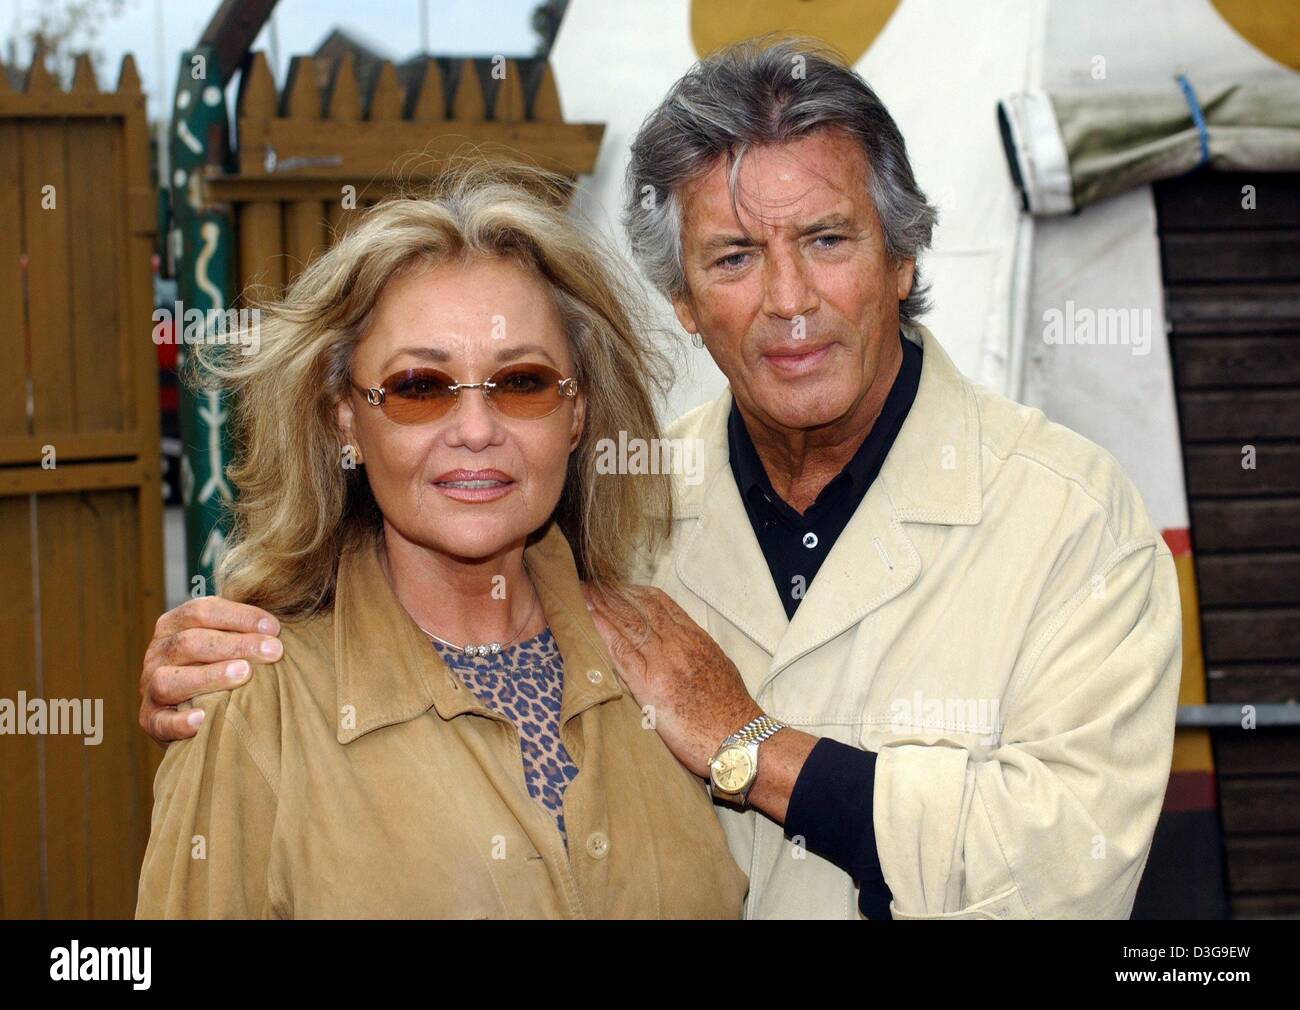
(947, 636)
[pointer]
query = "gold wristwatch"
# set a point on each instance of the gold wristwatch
(734, 767)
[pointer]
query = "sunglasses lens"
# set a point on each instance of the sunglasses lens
(418, 394)
(527, 391)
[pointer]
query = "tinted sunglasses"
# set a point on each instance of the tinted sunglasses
(524, 391)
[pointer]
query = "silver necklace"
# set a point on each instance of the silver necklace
(485, 648)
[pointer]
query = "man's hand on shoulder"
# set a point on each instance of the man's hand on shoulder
(676, 670)
(205, 644)
(671, 665)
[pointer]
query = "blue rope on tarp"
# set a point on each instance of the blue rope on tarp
(1198, 118)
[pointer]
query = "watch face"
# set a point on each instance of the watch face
(732, 769)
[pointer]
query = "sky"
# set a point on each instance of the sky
(456, 27)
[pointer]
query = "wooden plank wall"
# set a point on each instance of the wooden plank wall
(1232, 285)
(80, 543)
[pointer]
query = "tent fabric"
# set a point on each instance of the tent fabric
(1069, 149)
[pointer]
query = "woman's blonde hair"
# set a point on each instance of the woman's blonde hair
(298, 508)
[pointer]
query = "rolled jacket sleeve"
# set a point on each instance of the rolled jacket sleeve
(213, 818)
(830, 809)
(1056, 821)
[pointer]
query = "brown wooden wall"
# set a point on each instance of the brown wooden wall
(80, 543)
(1232, 285)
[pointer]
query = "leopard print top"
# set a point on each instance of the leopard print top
(525, 683)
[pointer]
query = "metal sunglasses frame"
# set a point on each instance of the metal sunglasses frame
(568, 389)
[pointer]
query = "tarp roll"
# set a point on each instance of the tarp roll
(1069, 149)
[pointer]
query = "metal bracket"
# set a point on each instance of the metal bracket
(1230, 715)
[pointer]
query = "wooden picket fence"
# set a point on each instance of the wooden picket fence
(81, 540)
(298, 150)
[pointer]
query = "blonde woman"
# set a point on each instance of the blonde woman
(445, 735)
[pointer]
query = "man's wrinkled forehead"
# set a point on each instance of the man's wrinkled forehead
(778, 186)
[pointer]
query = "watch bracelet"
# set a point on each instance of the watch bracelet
(747, 731)
(760, 729)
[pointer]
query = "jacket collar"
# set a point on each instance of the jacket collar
(933, 473)
(931, 476)
(387, 672)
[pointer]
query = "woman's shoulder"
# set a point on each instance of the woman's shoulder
(311, 638)
(280, 702)
(303, 671)
(307, 661)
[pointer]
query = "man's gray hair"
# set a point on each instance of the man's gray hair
(764, 92)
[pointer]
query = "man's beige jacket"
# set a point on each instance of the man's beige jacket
(999, 621)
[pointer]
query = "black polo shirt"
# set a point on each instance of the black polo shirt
(796, 545)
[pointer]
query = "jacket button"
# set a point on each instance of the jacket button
(810, 540)
(595, 676)
(597, 845)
